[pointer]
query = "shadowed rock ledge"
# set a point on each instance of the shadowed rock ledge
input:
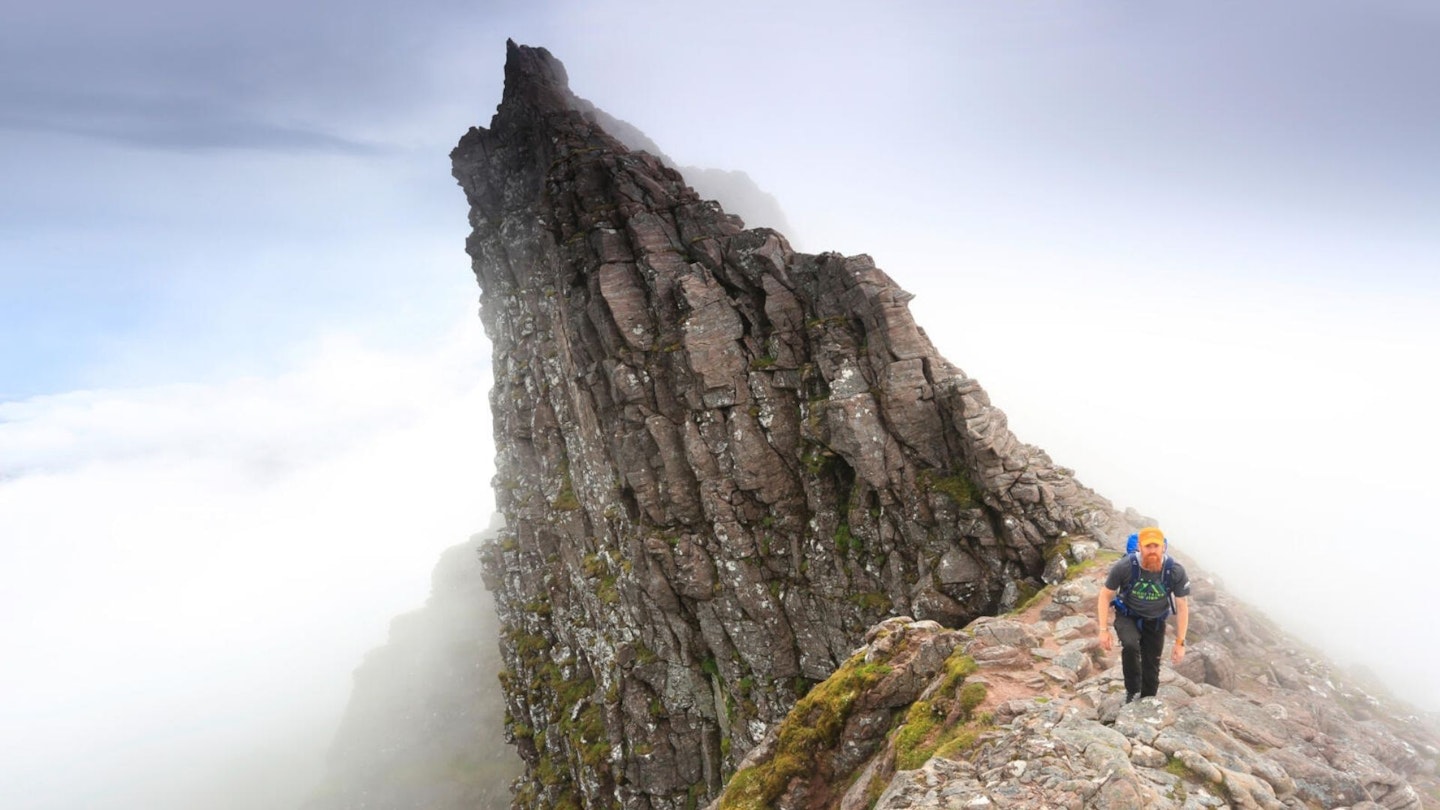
(720, 462)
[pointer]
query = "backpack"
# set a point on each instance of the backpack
(1165, 572)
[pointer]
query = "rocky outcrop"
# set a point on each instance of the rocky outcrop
(720, 461)
(423, 723)
(1028, 712)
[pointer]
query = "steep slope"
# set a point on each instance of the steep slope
(720, 461)
(1025, 710)
(421, 729)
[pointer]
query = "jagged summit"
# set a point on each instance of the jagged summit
(535, 72)
(720, 461)
(534, 80)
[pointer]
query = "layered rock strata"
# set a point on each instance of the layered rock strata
(720, 461)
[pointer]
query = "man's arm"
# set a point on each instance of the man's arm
(1182, 627)
(1102, 617)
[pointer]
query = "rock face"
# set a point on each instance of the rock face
(421, 730)
(1028, 712)
(720, 461)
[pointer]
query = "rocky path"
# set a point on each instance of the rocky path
(1249, 720)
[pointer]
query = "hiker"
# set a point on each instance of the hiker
(1143, 587)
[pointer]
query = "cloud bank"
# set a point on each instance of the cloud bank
(197, 568)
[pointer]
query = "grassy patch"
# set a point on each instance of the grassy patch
(608, 591)
(1028, 594)
(943, 725)
(1103, 557)
(817, 459)
(871, 601)
(971, 695)
(1177, 768)
(960, 665)
(1060, 548)
(566, 500)
(710, 666)
(911, 750)
(961, 740)
(694, 795)
(811, 727)
(593, 565)
(956, 486)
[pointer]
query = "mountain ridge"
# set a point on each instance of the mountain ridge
(721, 462)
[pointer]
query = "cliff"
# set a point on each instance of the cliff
(720, 461)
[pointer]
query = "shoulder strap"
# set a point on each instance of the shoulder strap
(1124, 590)
(1165, 571)
(1134, 573)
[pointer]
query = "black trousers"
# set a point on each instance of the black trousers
(1140, 648)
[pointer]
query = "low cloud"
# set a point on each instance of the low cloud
(198, 568)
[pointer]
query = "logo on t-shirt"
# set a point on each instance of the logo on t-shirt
(1147, 590)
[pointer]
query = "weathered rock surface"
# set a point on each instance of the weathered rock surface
(1287, 732)
(720, 461)
(421, 731)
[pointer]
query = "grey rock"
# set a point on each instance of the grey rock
(1209, 662)
(712, 451)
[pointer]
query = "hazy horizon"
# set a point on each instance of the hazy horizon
(1189, 251)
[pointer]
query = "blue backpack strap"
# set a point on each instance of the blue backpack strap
(1165, 572)
(1134, 578)
(1119, 601)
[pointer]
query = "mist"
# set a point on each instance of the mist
(1190, 252)
(196, 570)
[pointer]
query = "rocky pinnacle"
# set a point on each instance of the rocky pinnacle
(720, 461)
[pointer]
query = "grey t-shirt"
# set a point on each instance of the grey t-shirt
(1147, 599)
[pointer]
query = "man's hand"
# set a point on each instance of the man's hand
(1178, 654)
(1102, 618)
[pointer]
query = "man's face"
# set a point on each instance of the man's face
(1152, 554)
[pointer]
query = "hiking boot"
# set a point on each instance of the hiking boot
(1130, 696)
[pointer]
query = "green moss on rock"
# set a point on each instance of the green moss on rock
(811, 727)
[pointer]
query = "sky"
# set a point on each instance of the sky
(1189, 248)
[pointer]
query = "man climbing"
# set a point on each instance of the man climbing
(1143, 587)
